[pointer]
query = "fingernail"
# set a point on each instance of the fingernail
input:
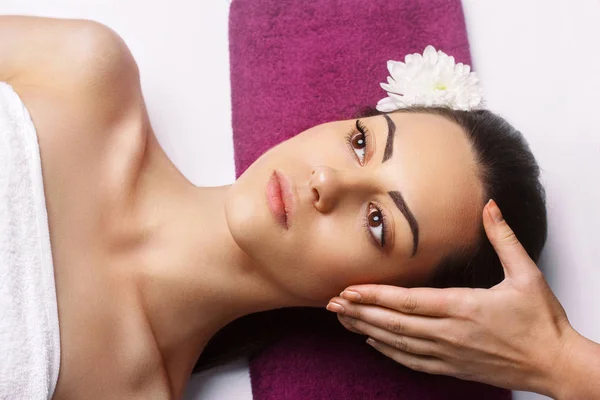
(335, 307)
(370, 342)
(494, 211)
(351, 295)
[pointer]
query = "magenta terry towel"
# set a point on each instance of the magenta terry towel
(315, 366)
(299, 63)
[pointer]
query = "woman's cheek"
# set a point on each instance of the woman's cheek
(341, 260)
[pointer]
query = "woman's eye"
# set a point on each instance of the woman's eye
(359, 142)
(375, 224)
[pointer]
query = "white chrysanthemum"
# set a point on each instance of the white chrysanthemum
(431, 79)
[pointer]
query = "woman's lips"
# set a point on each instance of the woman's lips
(280, 198)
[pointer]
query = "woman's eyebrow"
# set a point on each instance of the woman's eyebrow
(412, 221)
(396, 195)
(389, 145)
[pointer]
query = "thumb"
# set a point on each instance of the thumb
(512, 254)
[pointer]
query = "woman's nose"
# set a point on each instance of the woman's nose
(326, 187)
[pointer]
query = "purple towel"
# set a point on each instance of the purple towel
(322, 366)
(296, 64)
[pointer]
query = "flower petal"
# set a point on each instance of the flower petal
(430, 55)
(386, 105)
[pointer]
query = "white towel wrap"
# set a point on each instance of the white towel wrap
(29, 333)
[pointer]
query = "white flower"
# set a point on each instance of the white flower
(431, 79)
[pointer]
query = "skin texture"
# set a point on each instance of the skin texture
(515, 335)
(148, 266)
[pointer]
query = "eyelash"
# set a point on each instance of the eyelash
(383, 225)
(359, 128)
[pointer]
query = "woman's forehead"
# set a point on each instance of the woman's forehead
(434, 167)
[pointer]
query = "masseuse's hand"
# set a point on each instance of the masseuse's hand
(515, 335)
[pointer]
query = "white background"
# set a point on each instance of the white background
(539, 62)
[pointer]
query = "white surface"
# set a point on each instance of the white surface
(230, 381)
(538, 61)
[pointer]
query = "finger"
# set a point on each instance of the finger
(406, 344)
(392, 321)
(343, 320)
(420, 301)
(430, 365)
(512, 255)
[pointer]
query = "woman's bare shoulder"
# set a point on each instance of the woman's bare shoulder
(84, 97)
(78, 66)
(64, 52)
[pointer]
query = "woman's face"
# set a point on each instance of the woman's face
(378, 200)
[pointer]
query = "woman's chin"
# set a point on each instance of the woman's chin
(251, 223)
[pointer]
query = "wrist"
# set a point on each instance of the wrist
(558, 376)
(553, 364)
(576, 370)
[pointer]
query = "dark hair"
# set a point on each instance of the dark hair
(509, 175)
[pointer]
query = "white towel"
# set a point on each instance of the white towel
(29, 334)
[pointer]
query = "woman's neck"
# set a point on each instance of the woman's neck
(194, 278)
